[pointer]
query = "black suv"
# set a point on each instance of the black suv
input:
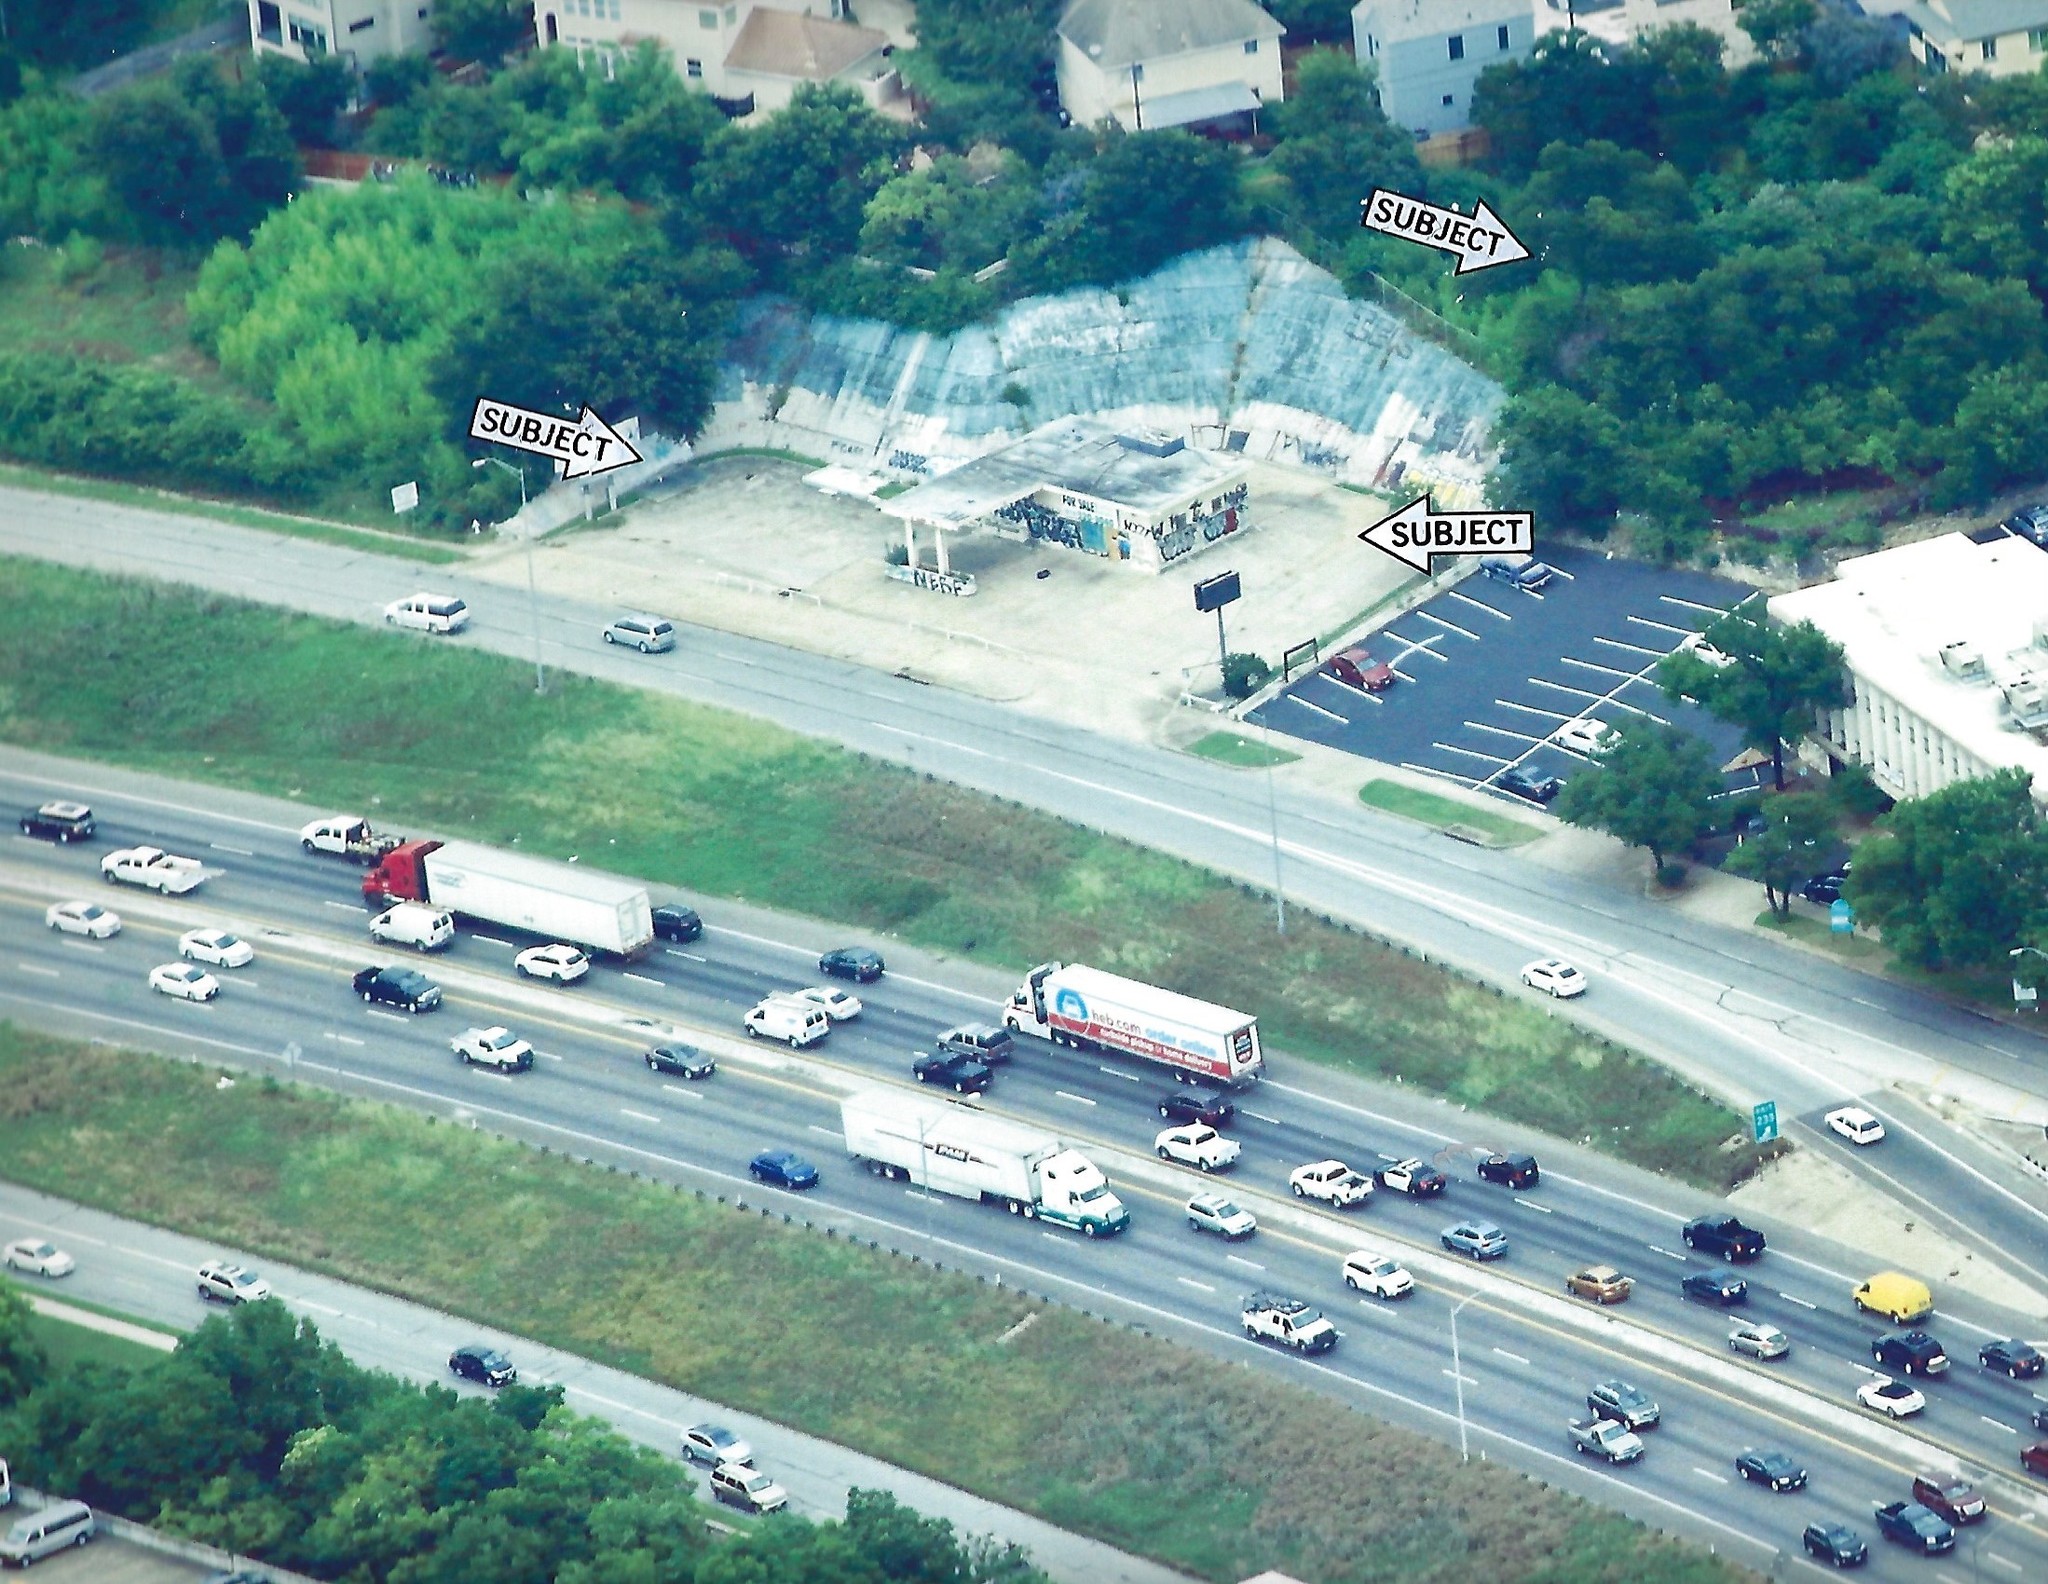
(962, 1074)
(402, 987)
(1725, 1236)
(1909, 1353)
(1836, 1543)
(673, 921)
(59, 822)
(1512, 1171)
(1528, 784)
(1193, 1105)
(485, 1365)
(851, 962)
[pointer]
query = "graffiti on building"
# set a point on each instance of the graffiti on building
(909, 462)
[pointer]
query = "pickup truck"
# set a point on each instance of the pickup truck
(1332, 1182)
(400, 987)
(1607, 1438)
(1915, 1527)
(1724, 1236)
(348, 836)
(1291, 1322)
(154, 868)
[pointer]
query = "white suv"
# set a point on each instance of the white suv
(435, 613)
(222, 1282)
(1368, 1270)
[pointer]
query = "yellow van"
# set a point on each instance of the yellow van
(1900, 1299)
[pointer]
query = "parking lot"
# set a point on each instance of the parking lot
(1487, 674)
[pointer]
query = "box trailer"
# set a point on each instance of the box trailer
(563, 902)
(955, 1150)
(1073, 1005)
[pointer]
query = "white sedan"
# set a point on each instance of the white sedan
(563, 964)
(185, 981)
(1198, 1145)
(33, 1254)
(218, 947)
(1895, 1398)
(1555, 975)
(835, 1004)
(1586, 735)
(82, 918)
(1706, 653)
(1856, 1125)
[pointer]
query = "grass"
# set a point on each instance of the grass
(130, 308)
(66, 1345)
(1427, 808)
(1140, 1442)
(458, 741)
(1857, 949)
(773, 452)
(1230, 749)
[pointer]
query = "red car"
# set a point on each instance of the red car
(1357, 668)
(2034, 1459)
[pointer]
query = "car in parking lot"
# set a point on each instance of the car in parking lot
(1778, 1470)
(82, 918)
(1696, 645)
(961, 1074)
(1601, 1283)
(1417, 1179)
(2019, 1359)
(184, 981)
(1954, 1497)
(841, 1006)
(434, 613)
(1510, 1171)
(1196, 1105)
(648, 634)
(1531, 785)
(492, 1047)
(712, 1443)
(1759, 1340)
(1355, 667)
(59, 821)
(852, 962)
(39, 1255)
(783, 1169)
(1480, 1240)
(674, 922)
(1895, 1399)
(563, 964)
(1198, 1145)
(1836, 1544)
(1556, 976)
(1823, 890)
(1585, 735)
(685, 1061)
(1724, 1289)
(1854, 1124)
(216, 946)
(483, 1364)
(747, 1488)
(1214, 1213)
(1522, 572)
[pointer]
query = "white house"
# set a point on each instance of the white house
(359, 30)
(1429, 53)
(2001, 38)
(1626, 21)
(1167, 63)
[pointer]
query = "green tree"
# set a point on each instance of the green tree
(1776, 679)
(1324, 20)
(1653, 789)
(483, 30)
(308, 94)
(1145, 198)
(1775, 26)
(1564, 458)
(1783, 856)
(21, 1357)
(1960, 878)
(1572, 88)
(1336, 145)
(990, 41)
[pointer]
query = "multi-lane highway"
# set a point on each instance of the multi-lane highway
(1525, 1354)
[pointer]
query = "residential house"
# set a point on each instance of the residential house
(358, 30)
(1625, 21)
(2002, 38)
(1148, 64)
(1428, 54)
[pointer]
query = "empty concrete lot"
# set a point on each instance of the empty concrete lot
(1487, 673)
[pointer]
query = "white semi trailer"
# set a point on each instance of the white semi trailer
(1070, 1004)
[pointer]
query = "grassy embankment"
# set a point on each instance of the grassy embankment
(455, 740)
(1428, 808)
(1143, 1443)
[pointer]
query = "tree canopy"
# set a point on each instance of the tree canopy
(1771, 680)
(1653, 789)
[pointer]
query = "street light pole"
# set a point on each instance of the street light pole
(1273, 820)
(1458, 1376)
(540, 675)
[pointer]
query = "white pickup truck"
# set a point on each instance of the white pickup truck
(1289, 1321)
(154, 868)
(1332, 1182)
(1605, 1438)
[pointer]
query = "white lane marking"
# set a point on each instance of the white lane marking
(1467, 599)
(340, 1039)
(1189, 1281)
(239, 852)
(1238, 1259)
(1454, 1375)
(346, 907)
(925, 1194)
(389, 1017)
(1077, 1099)
(547, 1056)
(1261, 1116)
(492, 940)
(689, 1094)
(670, 951)
(307, 1303)
(642, 978)
(495, 1077)
(1718, 1479)
(1057, 1237)
(831, 1133)
(1531, 1204)
(640, 1116)
(35, 968)
(1799, 1301)
(2008, 1429)
(1654, 1249)
(1504, 1353)
(1462, 632)
(1127, 1077)
(2004, 1562)
(1296, 698)
(79, 945)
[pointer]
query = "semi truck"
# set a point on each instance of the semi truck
(1084, 1007)
(562, 902)
(952, 1149)
(350, 836)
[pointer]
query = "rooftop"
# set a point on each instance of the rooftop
(1397, 21)
(1115, 34)
(792, 44)
(1962, 20)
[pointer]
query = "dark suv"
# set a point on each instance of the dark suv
(673, 921)
(1522, 572)
(59, 822)
(852, 962)
(1725, 1236)
(401, 987)
(1528, 784)
(1194, 1105)
(963, 1074)
(1910, 1353)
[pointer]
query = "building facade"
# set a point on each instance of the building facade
(359, 31)
(1166, 63)
(2002, 38)
(1428, 54)
(1625, 21)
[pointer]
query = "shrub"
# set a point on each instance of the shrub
(1244, 674)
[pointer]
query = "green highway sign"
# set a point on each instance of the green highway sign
(1765, 1117)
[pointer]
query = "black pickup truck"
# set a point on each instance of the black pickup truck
(401, 987)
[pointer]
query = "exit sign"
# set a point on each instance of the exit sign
(1765, 1118)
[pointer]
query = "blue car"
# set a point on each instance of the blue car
(783, 1169)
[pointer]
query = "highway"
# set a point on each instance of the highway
(1526, 1353)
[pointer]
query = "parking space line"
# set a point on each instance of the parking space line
(1531, 709)
(1296, 698)
(1339, 682)
(1502, 731)
(1589, 665)
(1561, 688)
(1616, 643)
(1441, 773)
(1425, 646)
(1471, 753)
(1648, 621)
(1686, 604)
(1467, 599)
(1463, 632)
(1558, 571)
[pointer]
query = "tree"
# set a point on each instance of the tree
(1005, 42)
(1564, 458)
(1775, 26)
(21, 1358)
(308, 94)
(1146, 197)
(1653, 789)
(1336, 144)
(1959, 878)
(483, 30)
(1776, 679)
(1782, 856)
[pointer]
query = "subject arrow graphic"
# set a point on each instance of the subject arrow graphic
(584, 448)
(1414, 533)
(1480, 239)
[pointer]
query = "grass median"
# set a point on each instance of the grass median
(455, 740)
(1153, 1447)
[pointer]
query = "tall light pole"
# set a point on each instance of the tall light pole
(1273, 819)
(1458, 1375)
(540, 675)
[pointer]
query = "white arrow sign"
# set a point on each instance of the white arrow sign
(1479, 239)
(1415, 533)
(585, 447)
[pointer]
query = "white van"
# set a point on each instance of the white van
(45, 1533)
(800, 1022)
(1368, 1270)
(414, 924)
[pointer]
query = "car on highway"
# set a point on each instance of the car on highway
(961, 1074)
(401, 987)
(1198, 1145)
(648, 634)
(1196, 1105)
(1759, 1340)
(1836, 1544)
(1855, 1124)
(38, 1256)
(434, 613)
(1479, 1240)
(1586, 735)
(1910, 1353)
(1627, 1404)
(1778, 1470)
(1529, 785)
(2019, 1359)
(492, 1047)
(1368, 1270)
(563, 964)
(221, 948)
(685, 1061)
(852, 962)
(714, 1444)
(185, 981)
(841, 1006)
(1556, 977)
(82, 918)
(1415, 1178)
(1895, 1399)
(1332, 1182)
(988, 1042)
(1601, 1283)
(1900, 1297)
(1214, 1213)
(1725, 1236)
(783, 1169)
(223, 1281)
(1724, 1289)
(1954, 1497)
(484, 1364)
(2034, 1459)
(747, 1488)
(1915, 1527)
(674, 922)
(59, 822)
(1510, 1171)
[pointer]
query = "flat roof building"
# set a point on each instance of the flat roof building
(1946, 645)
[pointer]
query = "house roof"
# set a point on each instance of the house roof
(789, 44)
(1397, 21)
(1192, 106)
(1117, 33)
(1966, 21)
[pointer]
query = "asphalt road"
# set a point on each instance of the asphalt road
(1525, 1353)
